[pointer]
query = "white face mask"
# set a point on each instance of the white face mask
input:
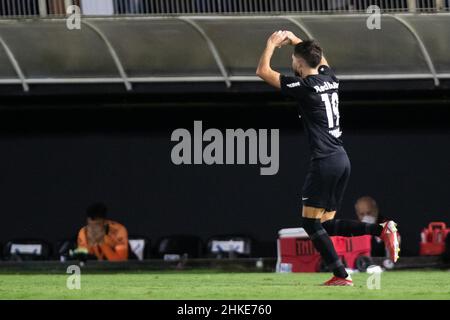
(369, 219)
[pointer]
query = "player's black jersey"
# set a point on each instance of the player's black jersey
(318, 102)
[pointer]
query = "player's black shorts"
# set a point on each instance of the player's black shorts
(326, 181)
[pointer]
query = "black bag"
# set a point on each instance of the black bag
(446, 254)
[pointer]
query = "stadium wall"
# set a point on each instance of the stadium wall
(56, 162)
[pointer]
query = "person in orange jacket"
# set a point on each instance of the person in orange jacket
(106, 239)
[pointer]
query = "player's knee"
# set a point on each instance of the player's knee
(312, 213)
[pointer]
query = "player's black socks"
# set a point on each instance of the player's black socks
(348, 228)
(323, 244)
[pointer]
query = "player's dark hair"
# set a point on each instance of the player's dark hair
(97, 211)
(310, 51)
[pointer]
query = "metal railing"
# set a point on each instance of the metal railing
(43, 8)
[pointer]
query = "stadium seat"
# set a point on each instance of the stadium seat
(139, 247)
(229, 246)
(26, 250)
(178, 246)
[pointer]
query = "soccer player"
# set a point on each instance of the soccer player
(315, 89)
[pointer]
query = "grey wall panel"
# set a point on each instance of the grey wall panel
(435, 35)
(149, 48)
(241, 42)
(354, 49)
(47, 49)
(6, 68)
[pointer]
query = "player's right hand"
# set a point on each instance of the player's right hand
(293, 39)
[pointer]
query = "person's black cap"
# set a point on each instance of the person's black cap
(97, 211)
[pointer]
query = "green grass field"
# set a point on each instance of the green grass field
(220, 285)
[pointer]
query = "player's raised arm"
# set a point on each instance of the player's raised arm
(264, 70)
(276, 40)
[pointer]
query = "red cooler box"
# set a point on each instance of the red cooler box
(295, 248)
(433, 239)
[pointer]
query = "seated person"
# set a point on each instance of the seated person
(106, 239)
(366, 209)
